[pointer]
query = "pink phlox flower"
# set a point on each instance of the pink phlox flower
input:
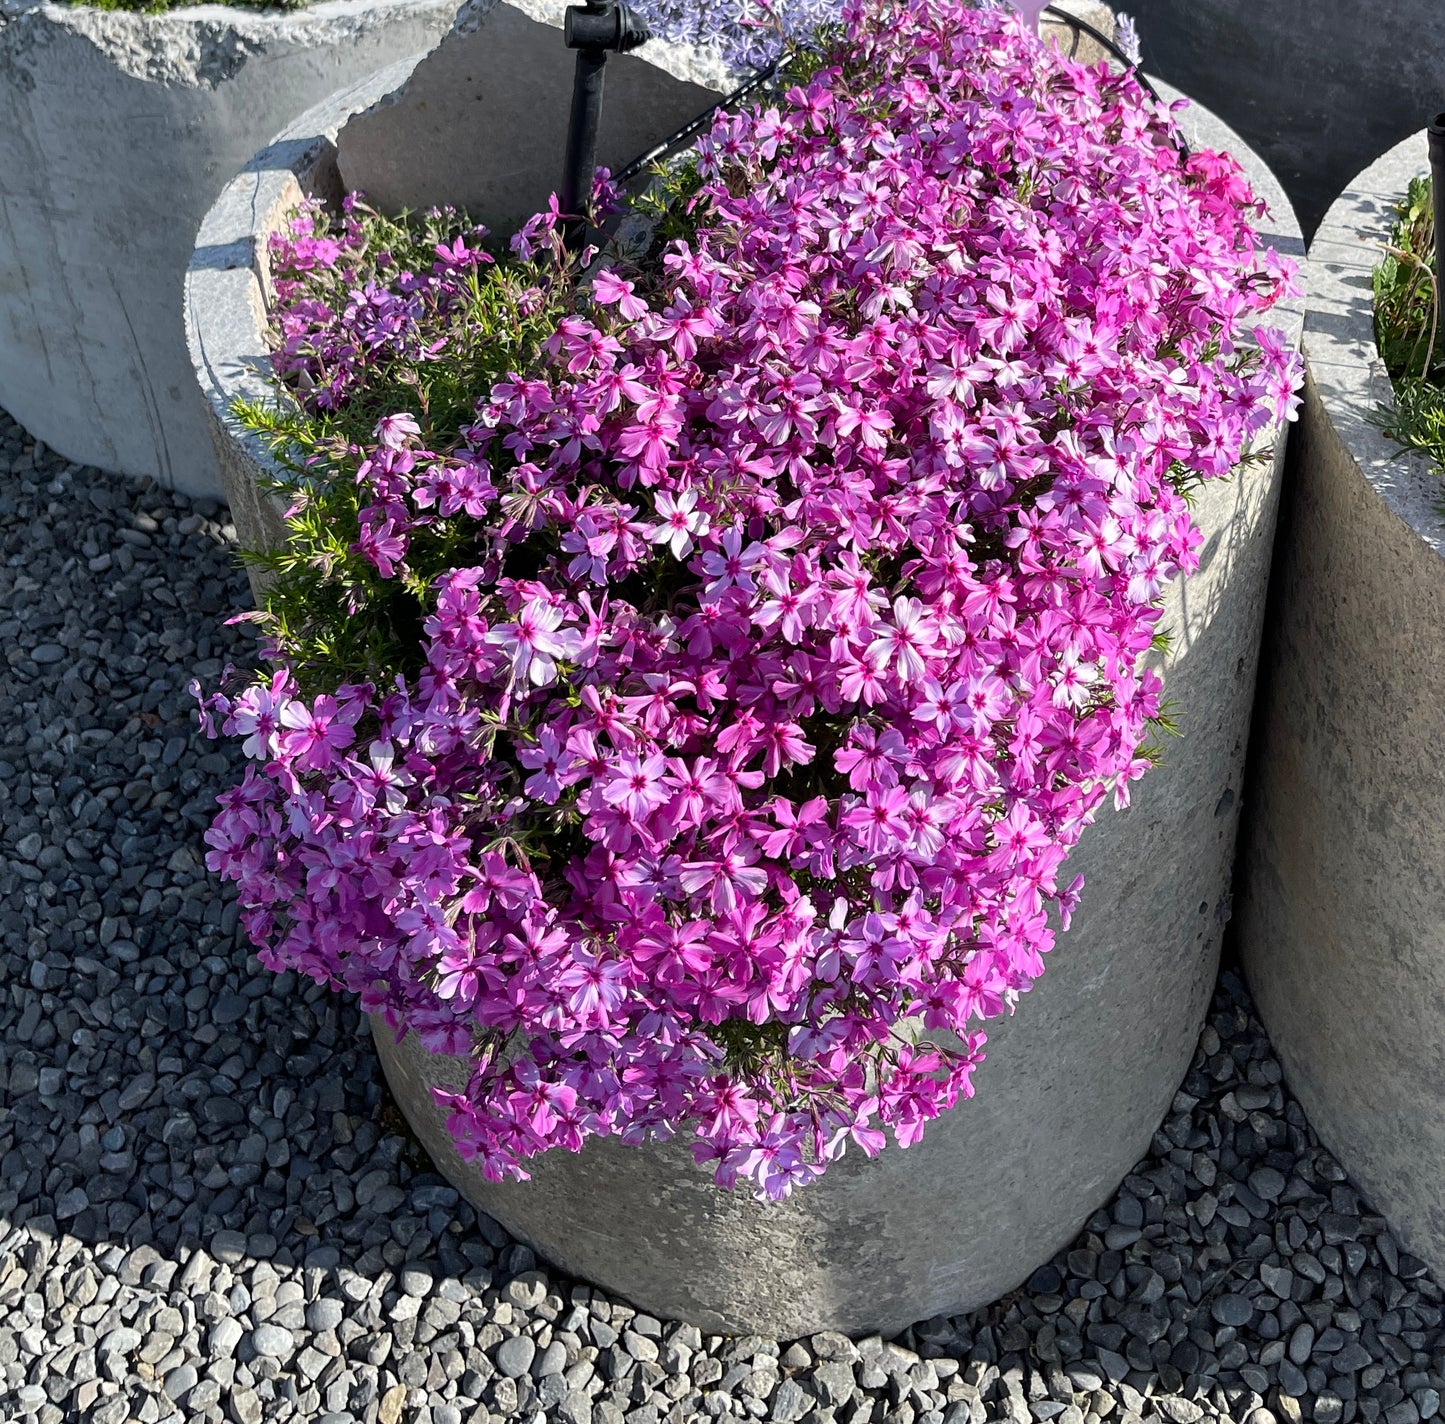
(254, 716)
(535, 640)
(731, 564)
(551, 764)
(680, 521)
(313, 734)
(637, 785)
(904, 645)
(609, 289)
(594, 986)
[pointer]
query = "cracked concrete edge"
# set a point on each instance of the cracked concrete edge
(691, 63)
(1344, 363)
(192, 46)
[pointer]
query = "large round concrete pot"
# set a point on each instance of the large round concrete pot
(1319, 87)
(1343, 915)
(117, 130)
(1073, 1087)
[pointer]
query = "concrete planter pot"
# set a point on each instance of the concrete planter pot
(1319, 87)
(1073, 1087)
(1342, 930)
(117, 130)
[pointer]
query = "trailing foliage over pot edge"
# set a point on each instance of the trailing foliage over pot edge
(690, 682)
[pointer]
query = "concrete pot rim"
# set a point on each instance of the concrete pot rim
(227, 280)
(234, 16)
(1339, 342)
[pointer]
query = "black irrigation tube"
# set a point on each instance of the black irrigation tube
(695, 126)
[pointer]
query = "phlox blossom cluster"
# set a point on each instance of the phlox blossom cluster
(746, 34)
(342, 310)
(801, 620)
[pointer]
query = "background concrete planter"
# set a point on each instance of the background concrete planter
(1319, 87)
(1343, 915)
(1073, 1087)
(117, 130)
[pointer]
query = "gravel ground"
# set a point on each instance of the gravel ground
(209, 1209)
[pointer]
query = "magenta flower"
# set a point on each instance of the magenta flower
(608, 288)
(534, 641)
(680, 521)
(395, 431)
(313, 735)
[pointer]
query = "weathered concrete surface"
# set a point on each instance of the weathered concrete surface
(1073, 1086)
(117, 131)
(1342, 924)
(482, 123)
(1318, 87)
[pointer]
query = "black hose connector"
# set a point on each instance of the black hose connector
(1435, 132)
(603, 24)
(594, 30)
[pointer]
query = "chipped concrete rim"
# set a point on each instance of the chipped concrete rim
(137, 41)
(197, 46)
(232, 16)
(1339, 342)
(227, 283)
(694, 62)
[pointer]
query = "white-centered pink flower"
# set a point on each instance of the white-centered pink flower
(680, 522)
(534, 641)
(393, 431)
(904, 644)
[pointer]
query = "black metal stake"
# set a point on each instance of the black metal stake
(1436, 139)
(594, 30)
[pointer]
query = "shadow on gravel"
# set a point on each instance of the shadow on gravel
(208, 1209)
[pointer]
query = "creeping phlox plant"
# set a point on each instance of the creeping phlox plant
(691, 723)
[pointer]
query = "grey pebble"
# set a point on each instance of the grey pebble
(228, 1246)
(1267, 1184)
(1232, 1310)
(527, 1290)
(180, 1381)
(790, 1403)
(245, 1406)
(119, 1341)
(324, 1314)
(514, 1355)
(273, 1340)
(164, 1090)
(1292, 1379)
